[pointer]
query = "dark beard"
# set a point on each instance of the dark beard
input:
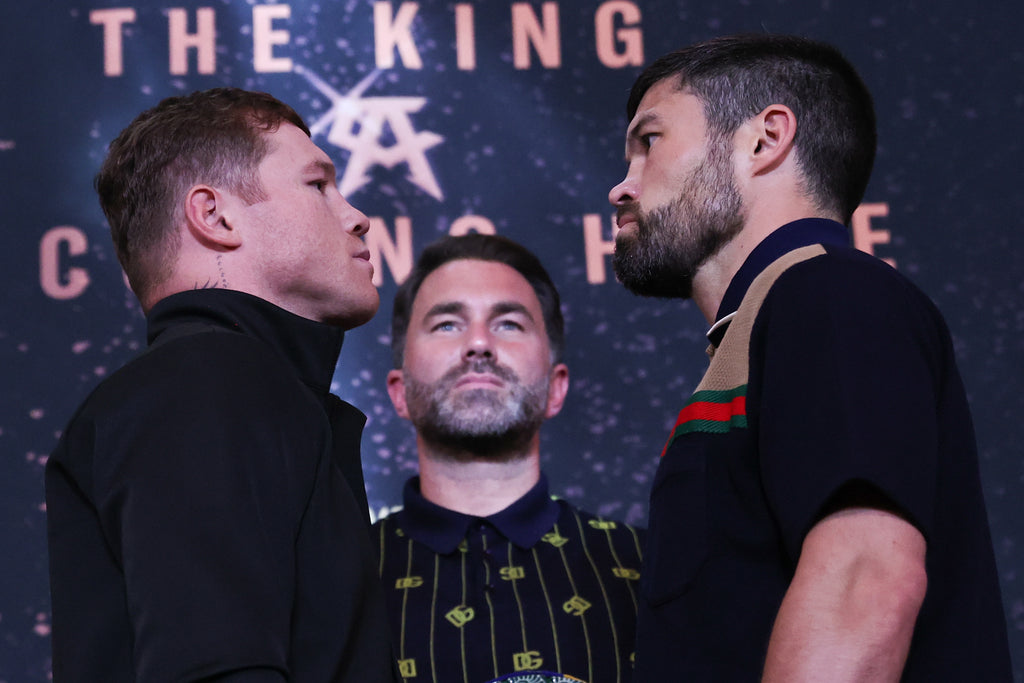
(673, 241)
(477, 423)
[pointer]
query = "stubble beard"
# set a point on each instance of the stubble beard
(479, 423)
(671, 242)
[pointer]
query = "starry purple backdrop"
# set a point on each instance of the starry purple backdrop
(533, 151)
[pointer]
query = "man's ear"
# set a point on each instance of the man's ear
(205, 216)
(558, 387)
(770, 138)
(396, 390)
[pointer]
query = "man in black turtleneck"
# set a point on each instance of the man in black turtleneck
(206, 510)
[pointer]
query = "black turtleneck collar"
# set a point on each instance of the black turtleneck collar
(523, 522)
(790, 236)
(311, 347)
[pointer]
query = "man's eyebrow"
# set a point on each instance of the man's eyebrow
(632, 134)
(445, 308)
(503, 307)
(458, 308)
(319, 165)
(639, 122)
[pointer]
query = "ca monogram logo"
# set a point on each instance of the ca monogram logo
(373, 117)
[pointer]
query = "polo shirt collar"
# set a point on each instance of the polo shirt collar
(524, 522)
(799, 233)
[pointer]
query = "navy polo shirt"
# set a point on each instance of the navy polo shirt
(539, 585)
(842, 374)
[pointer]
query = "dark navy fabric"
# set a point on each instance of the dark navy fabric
(537, 586)
(784, 240)
(852, 381)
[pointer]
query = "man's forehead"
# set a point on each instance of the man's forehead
(642, 118)
(289, 139)
(470, 280)
(664, 92)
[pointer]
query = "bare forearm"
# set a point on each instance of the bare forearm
(850, 611)
(851, 643)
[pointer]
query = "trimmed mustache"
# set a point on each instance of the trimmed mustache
(478, 366)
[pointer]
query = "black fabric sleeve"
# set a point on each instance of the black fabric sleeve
(845, 366)
(201, 491)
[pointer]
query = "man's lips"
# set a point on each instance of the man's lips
(364, 256)
(478, 379)
(624, 220)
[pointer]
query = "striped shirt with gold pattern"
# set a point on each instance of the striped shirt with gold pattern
(538, 586)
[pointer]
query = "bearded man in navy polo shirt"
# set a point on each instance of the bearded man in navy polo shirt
(817, 513)
(485, 574)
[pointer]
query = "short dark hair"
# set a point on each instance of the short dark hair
(736, 77)
(216, 136)
(474, 246)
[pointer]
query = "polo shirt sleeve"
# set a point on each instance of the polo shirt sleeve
(846, 372)
(201, 492)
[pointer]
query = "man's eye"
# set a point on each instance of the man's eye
(320, 185)
(509, 325)
(648, 139)
(443, 326)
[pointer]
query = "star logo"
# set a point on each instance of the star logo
(358, 124)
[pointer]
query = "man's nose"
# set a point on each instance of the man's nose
(355, 221)
(625, 192)
(479, 342)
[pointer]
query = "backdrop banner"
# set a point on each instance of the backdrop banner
(504, 117)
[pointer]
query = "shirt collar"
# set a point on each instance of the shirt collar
(523, 522)
(799, 233)
(311, 347)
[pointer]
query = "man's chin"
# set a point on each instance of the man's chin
(643, 282)
(477, 446)
(476, 404)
